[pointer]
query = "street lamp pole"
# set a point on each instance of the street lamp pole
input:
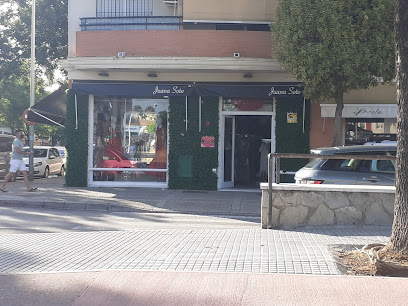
(32, 92)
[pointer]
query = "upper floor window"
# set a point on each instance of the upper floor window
(124, 8)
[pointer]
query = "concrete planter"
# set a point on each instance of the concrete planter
(328, 204)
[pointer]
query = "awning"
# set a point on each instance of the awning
(51, 110)
(136, 90)
(163, 90)
(265, 91)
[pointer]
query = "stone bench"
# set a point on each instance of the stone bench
(304, 204)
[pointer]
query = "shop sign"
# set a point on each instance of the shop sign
(279, 92)
(291, 117)
(207, 142)
(361, 110)
(161, 90)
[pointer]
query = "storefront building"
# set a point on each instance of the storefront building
(187, 135)
(177, 94)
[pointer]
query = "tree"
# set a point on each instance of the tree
(15, 35)
(399, 237)
(335, 46)
(14, 100)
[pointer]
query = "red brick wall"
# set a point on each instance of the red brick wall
(321, 131)
(174, 43)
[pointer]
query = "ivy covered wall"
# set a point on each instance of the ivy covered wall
(76, 141)
(190, 165)
(289, 136)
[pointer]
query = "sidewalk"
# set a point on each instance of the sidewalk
(201, 266)
(191, 288)
(51, 193)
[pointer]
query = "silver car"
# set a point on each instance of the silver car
(349, 171)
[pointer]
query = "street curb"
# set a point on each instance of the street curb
(106, 207)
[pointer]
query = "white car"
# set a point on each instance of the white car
(47, 160)
(63, 153)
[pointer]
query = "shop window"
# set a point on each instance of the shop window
(371, 130)
(131, 135)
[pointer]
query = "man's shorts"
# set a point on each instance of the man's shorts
(16, 164)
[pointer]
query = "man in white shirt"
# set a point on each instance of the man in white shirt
(17, 162)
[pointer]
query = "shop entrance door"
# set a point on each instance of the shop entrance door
(246, 141)
(229, 149)
(252, 146)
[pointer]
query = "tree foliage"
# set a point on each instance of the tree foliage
(15, 35)
(15, 99)
(335, 46)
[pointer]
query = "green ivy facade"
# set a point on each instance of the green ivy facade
(290, 137)
(190, 165)
(76, 141)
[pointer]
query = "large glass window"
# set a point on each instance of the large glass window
(130, 135)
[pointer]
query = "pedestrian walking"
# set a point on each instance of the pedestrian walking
(17, 162)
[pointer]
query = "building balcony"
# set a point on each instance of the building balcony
(174, 43)
(130, 23)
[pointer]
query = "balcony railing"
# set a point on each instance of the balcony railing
(131, 23)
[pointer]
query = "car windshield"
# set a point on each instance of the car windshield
(62, 152)
(40, 152)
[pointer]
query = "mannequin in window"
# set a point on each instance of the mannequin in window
(160, 158)
(263, 165)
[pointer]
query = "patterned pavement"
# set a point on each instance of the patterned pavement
(303, 250)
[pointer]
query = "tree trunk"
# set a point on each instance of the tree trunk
(399, 236)
(338, 97)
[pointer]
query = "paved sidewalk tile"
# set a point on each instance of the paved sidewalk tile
(297, 251)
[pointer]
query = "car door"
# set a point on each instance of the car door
(337, 171)
(52, 161)
(58, 160)
(378, 172)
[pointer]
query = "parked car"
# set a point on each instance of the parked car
(47, 160)
(349, 171)
(63, 153)
(357, 135)
(110, 158)
(6, 142)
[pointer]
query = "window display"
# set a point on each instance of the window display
(130, 135)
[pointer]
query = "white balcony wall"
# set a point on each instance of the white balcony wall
(77, 9)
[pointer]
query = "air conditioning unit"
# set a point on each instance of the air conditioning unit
(170, 2)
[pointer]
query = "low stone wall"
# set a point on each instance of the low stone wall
(295, 204)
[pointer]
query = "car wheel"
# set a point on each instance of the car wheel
(62, 172)
(46, 172)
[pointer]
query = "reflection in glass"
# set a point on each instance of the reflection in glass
(247, 105)
(130, 133)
